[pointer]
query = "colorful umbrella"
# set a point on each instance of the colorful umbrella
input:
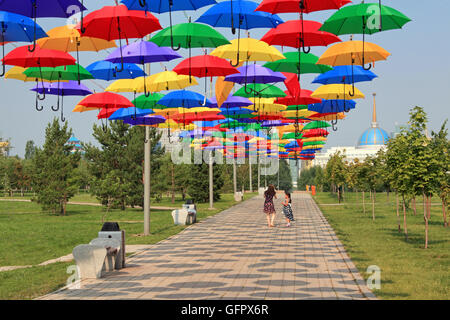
(305, 6)
(184, 99)
(260, 90)
(299, 63)
(145, 121)
(106, 70)
(133, 112)
(117, 23)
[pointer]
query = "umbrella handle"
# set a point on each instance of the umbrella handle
(239, 49)
(171, 28)
(381, 17)
(142, 3)
(233, 29)
(120, 44)
(33, 48)
(334, 127)
(368, 68)
(37, 104)
(3, 49)
(82, 28)
(63, 119)
(352, 93)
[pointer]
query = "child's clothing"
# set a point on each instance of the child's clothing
(287, 210)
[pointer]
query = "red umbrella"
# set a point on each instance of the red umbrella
(105, 113)
(106, 100)
(117, 23)
(292, 83)
(301, 6)
(315, 133)
(205, 66)
(190, 117)
(39, 58)
(299, 34)
(21, 57)
(301, 99)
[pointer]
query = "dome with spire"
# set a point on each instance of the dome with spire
(374, 136)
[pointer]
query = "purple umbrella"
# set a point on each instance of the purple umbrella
(61, 89)
(145, 121)
(42, 9)
(232, 102)
(255, 74)
(142, 52)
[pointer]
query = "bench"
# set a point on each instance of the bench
(97, 258)
(185, 216)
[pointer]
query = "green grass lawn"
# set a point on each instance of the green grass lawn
(30, 236)
(408, 270)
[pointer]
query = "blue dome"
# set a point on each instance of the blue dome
(374, 137)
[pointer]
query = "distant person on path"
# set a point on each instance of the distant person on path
(287, 208)
(269, 208)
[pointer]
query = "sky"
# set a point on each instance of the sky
(416, 74)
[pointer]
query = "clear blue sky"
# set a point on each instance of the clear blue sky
(417, 73)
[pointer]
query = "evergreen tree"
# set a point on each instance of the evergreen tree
(30, 150)
(54, 175)
(198, 188)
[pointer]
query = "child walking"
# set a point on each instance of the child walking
(287, 209)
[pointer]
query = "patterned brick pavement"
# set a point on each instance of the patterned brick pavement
(234, 255)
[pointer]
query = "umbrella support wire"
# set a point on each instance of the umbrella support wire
(34, 14)
(3, 49)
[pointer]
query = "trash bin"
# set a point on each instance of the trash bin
(112, 230)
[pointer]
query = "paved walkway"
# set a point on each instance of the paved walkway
(234, 255)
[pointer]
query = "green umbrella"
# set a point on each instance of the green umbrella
(307, 64)
(241, 116)
(317, 125)
(150, 102)
(292, 135)
(364, 18)
(59, 73)
(260, 90)
(296, 108)
(314, 143)
(190, 35)
(359, 19)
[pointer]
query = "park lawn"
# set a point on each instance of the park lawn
(408, 271)
(33, 236)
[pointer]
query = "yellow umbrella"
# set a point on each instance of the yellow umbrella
(17, 73)
(248, 50)
(127, 85)
(267, 107)
(168, 80)
(313, 147)
(315, 139)
(298, 114)
(69, 39)
(262, 100)
(351, 52)
(331, 117)
(336, 91)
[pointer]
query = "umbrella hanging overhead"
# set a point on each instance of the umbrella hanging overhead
(169, 80)
(133, 112)
(305, 6)
(150, 102)
(336, 92)
(255, 74)
(106, 70)
(184, 99)
(149, 120)
(68, 39)
(359, 19)
(107, 100)
(304, 97)
(42, 9)
(17, 28)
(17, 73)
(232, 102)
(296, 62)
(117, 23)
(71, 72)
(238, 14)
(332, 106)
(261, 91)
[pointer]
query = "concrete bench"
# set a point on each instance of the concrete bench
(97, 258)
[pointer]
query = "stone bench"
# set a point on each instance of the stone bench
(97, 258)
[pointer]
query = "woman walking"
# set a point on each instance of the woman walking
(269, 208)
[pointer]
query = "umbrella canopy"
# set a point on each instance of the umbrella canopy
(238, 14)
(353, 52)
(194, 116)
(205, 66)
(150, 102)
(71, 72)
(39, 58)
(255, 74)
(345, 74)
(232, 102)
(145, 121)
(355, 19)
(296, 33)
(315, 133)
(105, 100)
(304, 97)
(169, 80)
(249, 50)
(106, 70)
(125, 113)
(296, 62)
(18, 28)
(306, 6)
(316, 125)
(260, 90)
(71, 88)
(184, 99)
(42, 8)
(190, 35)
(332, 106)
(336, 92)
(142, 52)
(17, 73)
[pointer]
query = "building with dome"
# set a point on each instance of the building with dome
(75, 145)
(371, 141)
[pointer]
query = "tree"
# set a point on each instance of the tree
(336, 173)
(30, 150)
(117, 168)
(373, 178)
(198, 188)
(54, 175)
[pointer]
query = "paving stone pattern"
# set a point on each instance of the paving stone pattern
(234, 255)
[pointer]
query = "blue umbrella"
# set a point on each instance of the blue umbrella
(347, 75)
(292, 145)
(163, 6)
(132, 113)
(184, 99)
(332, 106)
(105, 70)
(145, 121)
(16, 27)
(238, 14)
(234, 111)
(42, 9)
